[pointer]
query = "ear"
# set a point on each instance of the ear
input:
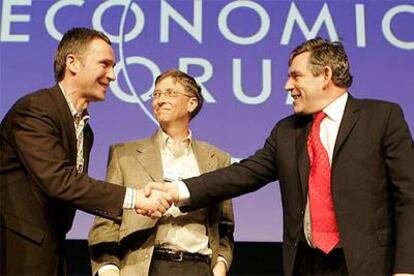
(192, 104)
(327, 75)
(72, 64)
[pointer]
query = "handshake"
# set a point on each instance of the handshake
(156, 198)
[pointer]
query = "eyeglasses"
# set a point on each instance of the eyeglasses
(169, 93)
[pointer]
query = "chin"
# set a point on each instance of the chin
(297, 110)
(99, 97)
(162, 119)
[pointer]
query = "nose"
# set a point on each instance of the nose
(159, 100)
(111, 74)
(288, 85)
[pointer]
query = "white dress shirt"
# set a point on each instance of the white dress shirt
(174, 231)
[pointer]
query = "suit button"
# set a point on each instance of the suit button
(146, 256)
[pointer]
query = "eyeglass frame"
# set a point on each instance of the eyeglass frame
(169, 93)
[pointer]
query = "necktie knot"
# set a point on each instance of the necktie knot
(318, 117)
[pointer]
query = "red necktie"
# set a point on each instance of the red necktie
(325, 234)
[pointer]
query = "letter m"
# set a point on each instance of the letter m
(294, 16)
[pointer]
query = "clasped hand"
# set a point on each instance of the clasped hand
(155, 199)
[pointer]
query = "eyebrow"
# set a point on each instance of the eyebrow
(293, 73)
(109, 61)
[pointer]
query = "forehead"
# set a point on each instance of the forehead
(300, 62)
(98, 48)
(168, 82)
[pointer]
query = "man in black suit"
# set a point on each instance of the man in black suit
(45, 141)
(345, 168)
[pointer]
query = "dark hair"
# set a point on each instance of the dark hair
(189, 84)
(75, 41)
(325, 53)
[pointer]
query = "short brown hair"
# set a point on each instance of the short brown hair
(325, 53)
(189, 83)
(74, 41)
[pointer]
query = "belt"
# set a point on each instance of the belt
(179, 256)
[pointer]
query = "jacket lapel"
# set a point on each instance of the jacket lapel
(204, 156)
(303, 125)
(149, 156)
(68, 129)
(349, 119)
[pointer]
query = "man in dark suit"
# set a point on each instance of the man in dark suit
(45, 142)
(345, 168)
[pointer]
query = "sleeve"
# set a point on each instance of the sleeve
(226, 227)
(247, 176)
(104, 235)
(398, 147)
(37, 137)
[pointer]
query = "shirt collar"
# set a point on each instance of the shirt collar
(168, 142)
(335, 110)
(75, 114)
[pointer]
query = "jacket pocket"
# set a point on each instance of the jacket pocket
(23, 227)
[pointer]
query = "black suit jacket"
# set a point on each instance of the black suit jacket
(372, 185)
(39, 186)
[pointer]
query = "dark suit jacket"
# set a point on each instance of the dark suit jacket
(372, 185)
(39, 186)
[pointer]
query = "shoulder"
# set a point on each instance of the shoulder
(35, 106)
(372, 104)
(213, 149)
(382, 111)
(127, 146)
(37, 99)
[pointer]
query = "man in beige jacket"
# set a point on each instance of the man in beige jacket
(194, 243)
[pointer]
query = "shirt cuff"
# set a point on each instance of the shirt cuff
(130, 198)
(108, 267)
(183, 193)
(221, 259)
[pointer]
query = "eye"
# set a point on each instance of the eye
(170, 93)
(105, 63)
(294, 76)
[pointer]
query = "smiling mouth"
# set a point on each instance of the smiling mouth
(295, 97)
(105, 85)
(162, 110)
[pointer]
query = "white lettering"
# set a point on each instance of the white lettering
(7, 18)
(134, 97)
(259, 35)
(295, 16)
(266, 83)
(51, 13)
(195, 29)
(136, 10)
(386, 27)
(360, 25)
